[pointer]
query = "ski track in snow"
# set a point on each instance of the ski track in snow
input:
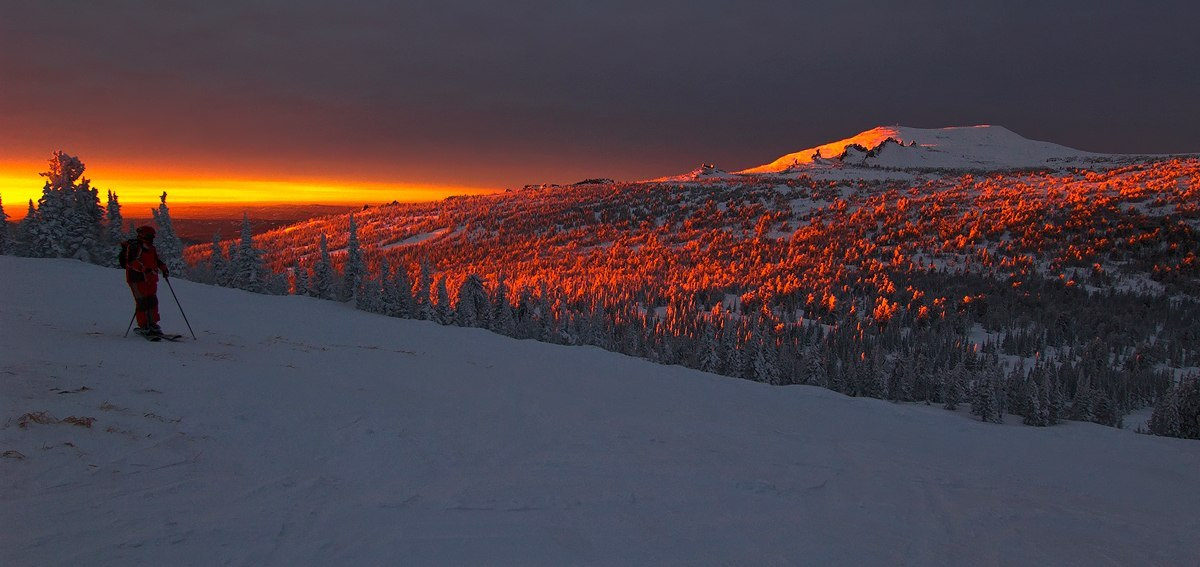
(302, 432)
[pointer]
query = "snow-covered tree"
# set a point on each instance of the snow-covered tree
(324, 278)
(764, 360)
(218, 265)
(276, 284)
(299, 279)
(168, 244)
(988, 395)
(473, 306)
(956, 386)
(1166, 420)
(443, 312)
(528, 325)
(389, 300)
(247, 263)
(112, 228)
(710, 352)
(898, 380)
(551, 329)
(4, 243)
(369, 296)
(1045, 404)
(1177, 413)
(815, 372)
(46, 226)
(983, 401)
(734, 363)
(399, 294)
(22, 235)
(422, 307)
(68, 220)
(355, 270)
(503, 320)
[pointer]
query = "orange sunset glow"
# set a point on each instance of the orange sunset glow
(20, 182)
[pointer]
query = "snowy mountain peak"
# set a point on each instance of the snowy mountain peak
(968, 147)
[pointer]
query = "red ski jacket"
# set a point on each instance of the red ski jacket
(142, 263)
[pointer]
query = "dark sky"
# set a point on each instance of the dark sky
(508, 93)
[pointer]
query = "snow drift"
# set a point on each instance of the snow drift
(297, 431)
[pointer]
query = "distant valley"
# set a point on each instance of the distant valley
(196, 223)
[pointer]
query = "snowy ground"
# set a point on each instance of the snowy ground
(301, 432)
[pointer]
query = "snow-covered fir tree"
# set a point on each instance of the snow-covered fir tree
(113, 224)
(355, 270)
(550, 316)
(814, 367)
(526, 314)
(168, 244)
(955, 386)
(765, 357)
(277, 283)
(22, 234)
(1177, 413)
(734, 363)
(443, 312)
(898, 380)
(218, 264)
(710, 353)
(503, 321)
(247, 263)
(473, 305)
(4, 243)
(46, 226)
(400, 302)
(369, 296)
(299, 279)
(1166, 420)
(68, 222)
(1044, 403)
(388, 301)
(324, 284)
(422, 307)
(983, 401)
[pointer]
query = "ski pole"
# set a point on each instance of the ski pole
(185, 320)
(130, 323)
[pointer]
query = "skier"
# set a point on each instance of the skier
(142, 266)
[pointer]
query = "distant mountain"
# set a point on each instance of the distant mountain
(972, 147)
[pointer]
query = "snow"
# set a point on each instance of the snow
(417, 238)
(966, 147)
(706, 172)
(301, 432)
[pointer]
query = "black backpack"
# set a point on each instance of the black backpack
(129, 251)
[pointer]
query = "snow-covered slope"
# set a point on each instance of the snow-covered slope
(973, 147)
(705, 172)
(301, 432)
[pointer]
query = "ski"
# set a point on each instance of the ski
(155, 337)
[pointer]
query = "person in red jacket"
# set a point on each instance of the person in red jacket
(142, 266)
